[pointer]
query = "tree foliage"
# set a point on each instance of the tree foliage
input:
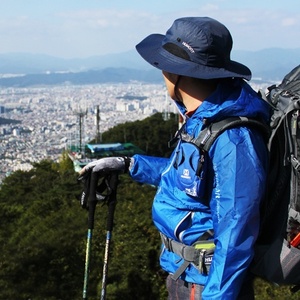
(43, 239)
(41, 254)
(43, 235)
(151, 135)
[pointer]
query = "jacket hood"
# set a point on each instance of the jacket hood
(233, 97)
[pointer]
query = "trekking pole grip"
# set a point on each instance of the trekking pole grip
(92, 200)
(113, 183)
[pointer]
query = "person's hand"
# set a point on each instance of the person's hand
(107, 165)
(102, 167)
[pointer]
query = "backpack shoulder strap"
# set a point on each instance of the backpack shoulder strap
(208, 135)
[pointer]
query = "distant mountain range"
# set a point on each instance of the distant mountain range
(21, 69)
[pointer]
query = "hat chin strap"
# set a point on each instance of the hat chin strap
(176, 90)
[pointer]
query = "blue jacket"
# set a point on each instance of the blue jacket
(226, 198)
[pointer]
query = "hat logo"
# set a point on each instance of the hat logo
(188, 47)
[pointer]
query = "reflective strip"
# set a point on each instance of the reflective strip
(207, 245)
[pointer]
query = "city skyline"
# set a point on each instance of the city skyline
(73, 29)
(49, 117)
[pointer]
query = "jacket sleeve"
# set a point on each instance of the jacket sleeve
(239, 160)
(148, 169)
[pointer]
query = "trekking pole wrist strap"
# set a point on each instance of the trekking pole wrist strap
(127, 161)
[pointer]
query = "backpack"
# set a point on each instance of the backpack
(277, 253)
(277, 250)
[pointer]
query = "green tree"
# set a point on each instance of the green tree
(151, 134)
(43, 238)
(43, 235)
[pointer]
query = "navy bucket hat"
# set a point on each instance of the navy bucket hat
(194, 46)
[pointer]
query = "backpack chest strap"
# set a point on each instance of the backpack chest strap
(208, 135)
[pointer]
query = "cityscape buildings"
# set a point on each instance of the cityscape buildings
(54, 118)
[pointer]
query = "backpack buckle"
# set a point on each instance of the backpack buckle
(295, 162)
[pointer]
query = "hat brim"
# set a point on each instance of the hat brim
(152, 51)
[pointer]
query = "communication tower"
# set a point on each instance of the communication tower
(80, 113)
(97, 123)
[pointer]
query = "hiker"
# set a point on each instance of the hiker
(212, 198)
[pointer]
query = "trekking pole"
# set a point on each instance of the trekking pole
(112, 199)
(92, 207)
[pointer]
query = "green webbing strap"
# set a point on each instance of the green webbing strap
(189, 253)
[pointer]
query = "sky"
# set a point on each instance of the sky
(85, 28)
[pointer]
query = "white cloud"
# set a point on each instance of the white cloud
(87, 32)
(210, 7)
(286, 22)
